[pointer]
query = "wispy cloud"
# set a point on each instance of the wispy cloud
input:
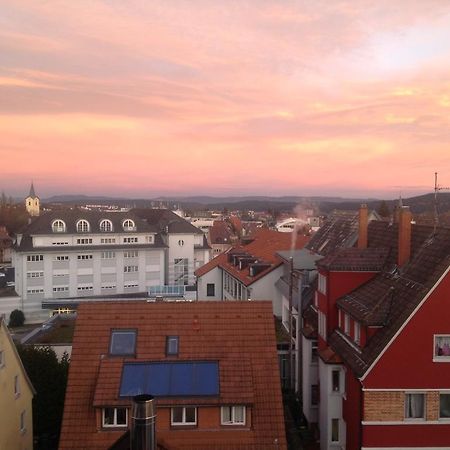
(143, 98)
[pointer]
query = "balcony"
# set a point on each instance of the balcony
(173, 292)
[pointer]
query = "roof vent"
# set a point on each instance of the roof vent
(143, 420)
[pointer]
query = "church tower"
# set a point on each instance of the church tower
(32, 202)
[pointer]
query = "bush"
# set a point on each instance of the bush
(17, 318)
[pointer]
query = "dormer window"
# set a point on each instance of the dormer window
(322, 284)
(357, 332)
(83, 226)
(172, 345)
(123, 343)
(58, 226)
(106, 225)
(129, 225)
(346, 323)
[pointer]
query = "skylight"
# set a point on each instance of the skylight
(123, 342)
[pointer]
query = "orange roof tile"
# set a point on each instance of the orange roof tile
(240, 335)
(264, 245)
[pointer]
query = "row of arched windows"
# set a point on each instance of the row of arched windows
(83, 226)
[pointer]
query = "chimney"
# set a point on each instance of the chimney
(363, 224)
(143, 423)
(404, 235)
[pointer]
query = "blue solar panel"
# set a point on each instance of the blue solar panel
(169, 379)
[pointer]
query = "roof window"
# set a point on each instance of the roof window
(83, 226)
(106, 225)
(58, 226)
(129, 225)
(123, 342)
(171, 345)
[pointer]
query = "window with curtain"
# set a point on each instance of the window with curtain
(414, 406)
(444, 406)
(441, 347)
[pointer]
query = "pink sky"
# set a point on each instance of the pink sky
(144, 98)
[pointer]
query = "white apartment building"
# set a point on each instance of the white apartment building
(187, 248)
(74, 254)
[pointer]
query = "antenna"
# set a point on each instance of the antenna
(437, 188)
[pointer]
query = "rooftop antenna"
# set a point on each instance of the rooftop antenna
(437, 188)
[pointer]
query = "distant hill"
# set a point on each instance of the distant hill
(418, 205)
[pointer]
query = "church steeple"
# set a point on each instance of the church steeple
(32, 202)
(32, 193)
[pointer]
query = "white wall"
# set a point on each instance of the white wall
(265, 289)
(330, 406)
(310, 376)
(213, 276)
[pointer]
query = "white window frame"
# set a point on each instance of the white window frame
(16, 386)
(339, 389)
(338, 430)
(106, 226)
(114, 424)
(346, 324)
(130, 269)
(108, 254)
(23, 427)
(357, 332)
(322, 319)
(83, 226)
(322, 284)
(232, 410)
(35, 258)
(183, 422)
(424, 407)
(443, 419)
(128, 225)
(58, 226)
(440, 358)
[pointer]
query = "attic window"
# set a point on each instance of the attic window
(123, 342)
(58, 226)
(441, 347)
(129, 225)
(106, 225)
(171, 345)
(83, 226)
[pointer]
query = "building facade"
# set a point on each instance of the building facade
(75, 254)
(16, 395)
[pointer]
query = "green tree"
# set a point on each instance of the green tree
(49, 378)
(16, 318)
(383, 209)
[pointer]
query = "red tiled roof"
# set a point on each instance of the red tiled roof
(240, 335)
(264, 246)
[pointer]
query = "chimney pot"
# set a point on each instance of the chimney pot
(143, 420)
(404, 235)
(363, 224)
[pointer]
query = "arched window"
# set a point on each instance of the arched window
(128, 225)
(83, 226)
(58, 226)
(106, 225)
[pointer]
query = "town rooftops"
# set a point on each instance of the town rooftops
(235, 341)
(339, 230)
(389, 298)
(355, 259)
(262, 250)
(220, 233)
(166, 221)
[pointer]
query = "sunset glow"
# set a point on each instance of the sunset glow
(240, 97)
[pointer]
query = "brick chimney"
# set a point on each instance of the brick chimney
(363, 224)
(404, 235)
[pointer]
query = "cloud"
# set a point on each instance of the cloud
(241, 96)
